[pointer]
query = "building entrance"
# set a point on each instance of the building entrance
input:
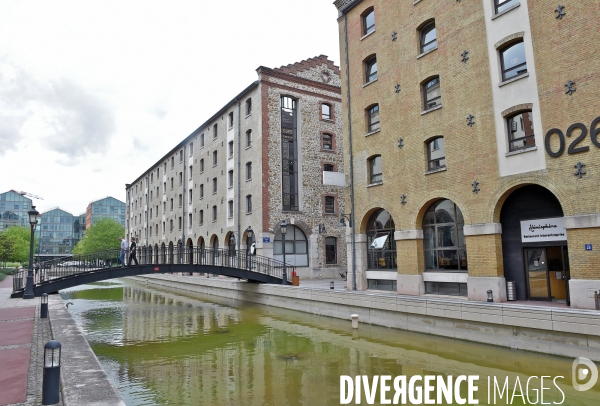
(547, 270)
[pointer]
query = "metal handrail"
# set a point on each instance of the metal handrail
(148, 255)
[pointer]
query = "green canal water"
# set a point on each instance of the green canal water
(160, 347)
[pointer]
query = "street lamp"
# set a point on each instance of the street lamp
(33, 214)
(283, 231)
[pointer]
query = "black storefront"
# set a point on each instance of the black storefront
(540, 268)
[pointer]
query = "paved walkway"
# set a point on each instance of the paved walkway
(22, 338)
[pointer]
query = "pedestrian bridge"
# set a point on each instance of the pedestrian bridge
(58, 274)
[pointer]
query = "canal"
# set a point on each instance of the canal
(161, 347)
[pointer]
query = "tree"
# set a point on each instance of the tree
(20, 238)
(6, 249)
(102, 235)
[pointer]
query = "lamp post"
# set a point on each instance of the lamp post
(249, 236)
(343, 224)
(283, 231)
(28, 294)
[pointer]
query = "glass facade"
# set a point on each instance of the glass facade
(13, 210)
(107, 207)
(57, 232)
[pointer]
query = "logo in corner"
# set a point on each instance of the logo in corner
(585, 374)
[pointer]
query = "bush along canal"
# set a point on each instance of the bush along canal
(161, 347)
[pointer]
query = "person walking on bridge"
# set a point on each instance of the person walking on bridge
(123, 251)
(132, 252)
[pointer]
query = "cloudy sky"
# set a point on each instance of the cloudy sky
(94, 92)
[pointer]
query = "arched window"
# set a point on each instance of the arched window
(368, 21)
(296, 246)
(373, 118)
(443, 238)
(381, 245)
(436, 154)
(371, 69)
(428, 37)
(513, 60)
(375, 175)
(520, 131)
(432, 95)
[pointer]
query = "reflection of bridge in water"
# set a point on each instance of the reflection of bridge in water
(59, 274)
(275, 356)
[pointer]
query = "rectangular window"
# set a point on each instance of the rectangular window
(329, 205)
(190, 194)
(215, 131)
(202, 165)
(214, 185)
(230, 120)
(325, 111)
(190, 169)
(502, 5)
(201, 217)
(249, 171)
(375, 169)
(249, 204)
(180, 221)
(230, 209)
(230, 179)
(230, 149)
(248, 138)
(214, 210)
(520, 131)
(190, 220)
(214, 158)
(191, 148)
(330, 250)
(201, 191)
(289, 153)
(202, 140)
(248, 107)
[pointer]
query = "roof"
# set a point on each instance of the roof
(306, 64)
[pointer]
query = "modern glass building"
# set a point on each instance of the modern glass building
(106, 207)
(13, 210)
(57, 233)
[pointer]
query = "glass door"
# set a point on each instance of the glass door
(537, 273)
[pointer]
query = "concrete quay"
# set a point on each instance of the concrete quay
(23, 335)
(553, 330)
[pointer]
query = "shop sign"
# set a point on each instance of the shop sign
(543, 230)
(588, 247)
(266, 239)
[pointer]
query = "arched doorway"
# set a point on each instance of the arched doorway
(180, 252)
(215, 250)
(381, 251)
(190, 251)
(296, 246)
(201, 251)
(170, 253)
(163, 253)
(150, 257)
(381, 246)
(444, 246)
(534, 244)
(155, 259)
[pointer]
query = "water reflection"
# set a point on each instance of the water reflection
(161, 347)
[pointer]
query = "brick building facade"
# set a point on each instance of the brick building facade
(256, 162)
(467, 123)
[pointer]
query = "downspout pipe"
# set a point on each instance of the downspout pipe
(183, 198)
(239, 170)
(352, 219)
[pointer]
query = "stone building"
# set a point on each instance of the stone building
(259, 160)
(474, 156)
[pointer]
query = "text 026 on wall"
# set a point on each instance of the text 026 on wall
(573, 148)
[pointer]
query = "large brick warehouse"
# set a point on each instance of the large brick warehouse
(257, 162)
(473, 149)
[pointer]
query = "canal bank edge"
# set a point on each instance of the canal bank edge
(563, 332)
(83, 380)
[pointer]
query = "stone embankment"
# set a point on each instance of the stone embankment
(545, 329)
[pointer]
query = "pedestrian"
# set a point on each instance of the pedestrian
(132, 252)
(123, 251)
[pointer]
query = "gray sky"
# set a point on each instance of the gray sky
(94, 92)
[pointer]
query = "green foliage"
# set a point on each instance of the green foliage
(19, 239)
(102, 235)
(6, 249)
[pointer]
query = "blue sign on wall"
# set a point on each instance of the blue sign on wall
(588, 247)
(266, 239)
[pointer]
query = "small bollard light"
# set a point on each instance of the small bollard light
(354, 320)
(51, 380)
(490, 296)
(44, 306)
(331, 285)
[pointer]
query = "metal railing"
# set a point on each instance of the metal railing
(168, 255)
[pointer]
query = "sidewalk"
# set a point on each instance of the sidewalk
(22, 338)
